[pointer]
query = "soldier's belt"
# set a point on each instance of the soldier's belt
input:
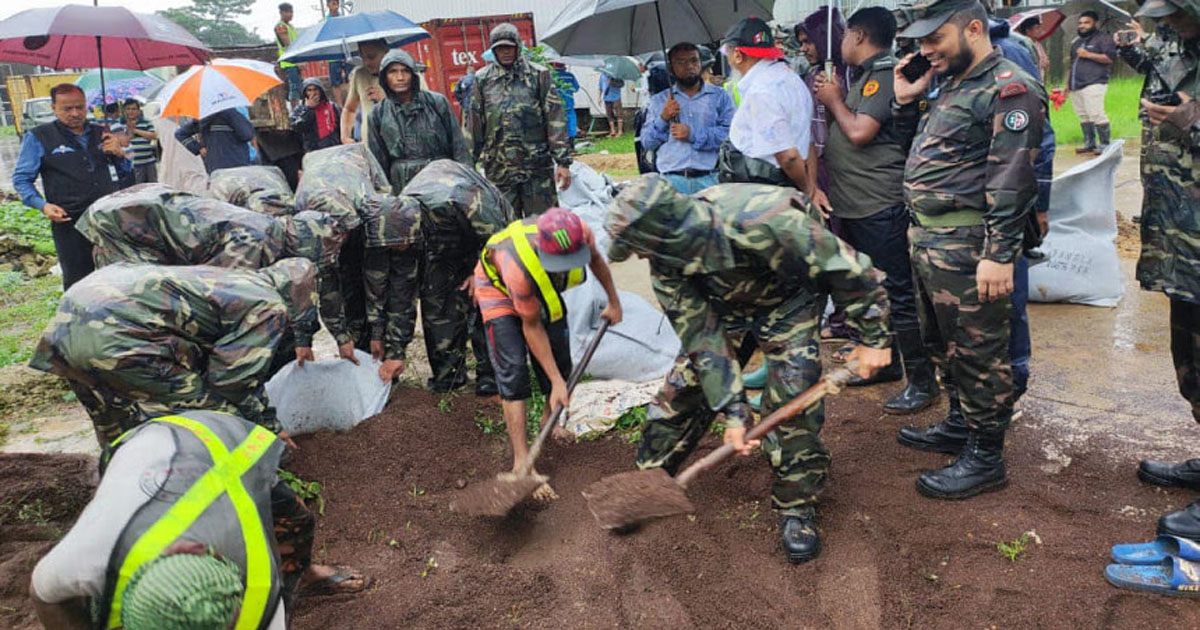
(958, 218)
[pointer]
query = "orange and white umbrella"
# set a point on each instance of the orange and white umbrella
(222, 84)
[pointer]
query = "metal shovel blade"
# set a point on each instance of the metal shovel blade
(630, 498)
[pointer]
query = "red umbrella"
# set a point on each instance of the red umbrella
(80, 36)
(1048, 22)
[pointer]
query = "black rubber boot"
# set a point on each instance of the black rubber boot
(1185, 523)
(979, 468)
(922, 388)
(798, 529)
(893, 372)
(1171, 474)
(1105, 133)
(1089, 139)
(948, 436)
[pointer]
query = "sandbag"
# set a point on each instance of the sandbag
(263, 189)
(339, 181)
(334, 395)
(1081, 262)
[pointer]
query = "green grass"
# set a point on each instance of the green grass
(27, 224)
(1120, 103)
(624, 144)
(25, 307)
(1013, 550)
(9, 130)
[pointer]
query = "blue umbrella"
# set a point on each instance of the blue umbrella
(333, 38)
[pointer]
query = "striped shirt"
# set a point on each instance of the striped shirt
(141, 149)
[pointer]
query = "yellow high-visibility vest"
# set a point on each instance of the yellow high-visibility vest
(515, 240)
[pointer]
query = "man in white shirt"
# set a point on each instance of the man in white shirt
(773, 122)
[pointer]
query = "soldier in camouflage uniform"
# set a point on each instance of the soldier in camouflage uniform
(411, 127)
(459, 212)
(347, 183)
(516, 127)
(970, 187)
(739, 259)
(1170, 259)
(262, 189)
(137, 341)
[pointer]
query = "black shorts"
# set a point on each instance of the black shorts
(511, 358)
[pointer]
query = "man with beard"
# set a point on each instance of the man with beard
(1092, 54)
(970, 188)
(516, 127)
(687, 123)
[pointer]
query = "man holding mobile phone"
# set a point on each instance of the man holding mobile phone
(79, 162)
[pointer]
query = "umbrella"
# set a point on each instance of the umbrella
(78, 36)
(633, 27)
(118, 84)
(332, 38)
(619, 67)
(223, 84)
(1048, 22)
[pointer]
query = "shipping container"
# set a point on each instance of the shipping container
(456, 44)
(28, 86)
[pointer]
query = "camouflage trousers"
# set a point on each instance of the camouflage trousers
(1185, 350)
(679, 416)
(448, 319)
(342, 297)
(295, 528)
(968, 339)
(532, 196)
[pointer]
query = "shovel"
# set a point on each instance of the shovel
(496, 497)
(626, 499)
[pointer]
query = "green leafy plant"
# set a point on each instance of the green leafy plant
(489, 425)
(306, 490)
(417, 492)
(1013, 549)
(445, 404)
(430, 565)
(629, 424)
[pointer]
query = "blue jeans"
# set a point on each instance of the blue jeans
(1020, 347)
(292, 74)
(690, 185)
(339, 73)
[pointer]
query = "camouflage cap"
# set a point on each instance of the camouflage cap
(505, 34)
(926, 16)
(1157, 9)
(392, 221)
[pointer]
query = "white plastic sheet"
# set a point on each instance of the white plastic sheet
(334, 394)
(1081, 262)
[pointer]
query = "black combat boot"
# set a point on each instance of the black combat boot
(1089, 139)
(922, 388)
(1105, 133)
(1185, 523)
(979, 468)
(947, 436)
(1171, 474)
(798, 528)
(891, 373)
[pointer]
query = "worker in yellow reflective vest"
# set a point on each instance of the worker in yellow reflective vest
(189, 529)
(518, 286)
(285, 34)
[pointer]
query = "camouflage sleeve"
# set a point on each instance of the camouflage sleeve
(473, 127)
(803, 248)
(401, 319)
(240, 361)
(333, 308)
(1011, 188)
(704, 340)
(1185, 119)
(1137, 57)
(556, 121)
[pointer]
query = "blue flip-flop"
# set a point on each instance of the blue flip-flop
(1174, 577)
(1156, 551)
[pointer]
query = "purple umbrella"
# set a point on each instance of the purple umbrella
(79, 36)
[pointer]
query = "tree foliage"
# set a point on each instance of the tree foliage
(214, 22)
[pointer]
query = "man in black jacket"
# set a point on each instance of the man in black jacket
(79, 162)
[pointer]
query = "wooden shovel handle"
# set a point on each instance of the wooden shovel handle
(572, 381)
(831, 383)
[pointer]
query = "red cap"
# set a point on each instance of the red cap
(561, 244)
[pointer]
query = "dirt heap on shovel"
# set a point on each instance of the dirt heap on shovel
(890, 560)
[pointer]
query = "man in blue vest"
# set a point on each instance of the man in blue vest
(182, 534)
(79, 162)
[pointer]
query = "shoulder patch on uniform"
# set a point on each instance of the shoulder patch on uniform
(1016, 120)
(1013, 89)
(870, 87)
(1004, 74)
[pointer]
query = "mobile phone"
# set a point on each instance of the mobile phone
(1127, 37)
(916, 68)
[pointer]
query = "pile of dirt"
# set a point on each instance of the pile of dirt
(891, 559)
(19, 255)
(1129, 238)
(623, 163)
(40, 497)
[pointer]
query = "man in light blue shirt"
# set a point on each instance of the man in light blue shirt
(610, 93)
(686, 124)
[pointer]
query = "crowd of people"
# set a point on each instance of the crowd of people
(901, 175)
